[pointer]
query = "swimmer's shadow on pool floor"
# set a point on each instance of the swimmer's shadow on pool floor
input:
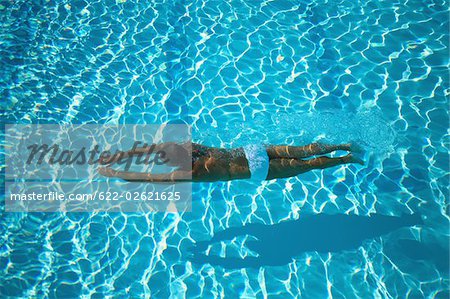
(278, 244)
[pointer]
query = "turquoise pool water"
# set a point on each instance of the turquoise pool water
(279, 72)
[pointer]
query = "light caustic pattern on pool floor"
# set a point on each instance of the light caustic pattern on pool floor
(251, 71)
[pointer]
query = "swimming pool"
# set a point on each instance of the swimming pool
(239, 72)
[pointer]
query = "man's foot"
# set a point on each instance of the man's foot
(353, 159)
(356, 148)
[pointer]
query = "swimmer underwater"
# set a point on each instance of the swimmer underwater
(210, 164)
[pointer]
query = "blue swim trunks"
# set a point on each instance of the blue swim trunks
(258, 161)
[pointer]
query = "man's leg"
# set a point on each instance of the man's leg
(326, 162)
(299, 152)
(283, 168)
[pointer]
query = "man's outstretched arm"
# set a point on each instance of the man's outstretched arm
(171, 177)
